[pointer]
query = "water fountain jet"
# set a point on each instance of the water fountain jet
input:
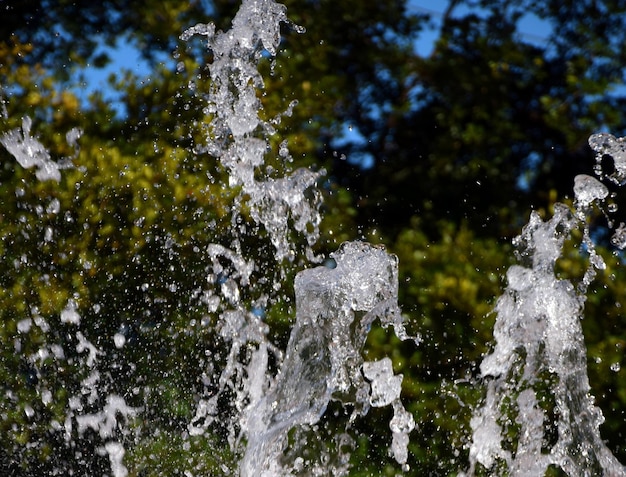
(538, 335)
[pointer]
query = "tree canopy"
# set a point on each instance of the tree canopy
(441, 157)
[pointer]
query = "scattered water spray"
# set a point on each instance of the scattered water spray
(238, 137)
(538, 411)
(323, 358)
(335, 309)
(537, 384)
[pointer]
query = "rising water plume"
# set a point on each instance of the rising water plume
(538, 412)
(539, 343)
(334, 307)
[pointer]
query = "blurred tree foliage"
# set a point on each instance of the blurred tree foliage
(439, 157)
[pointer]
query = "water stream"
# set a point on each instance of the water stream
(276, 396)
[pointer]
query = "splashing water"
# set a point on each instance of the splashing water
(29, 152)
(232, 135)
(538, 412)
(334, 310)
(323, 356)
(539, 341)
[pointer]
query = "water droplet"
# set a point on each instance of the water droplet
(119, 340)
